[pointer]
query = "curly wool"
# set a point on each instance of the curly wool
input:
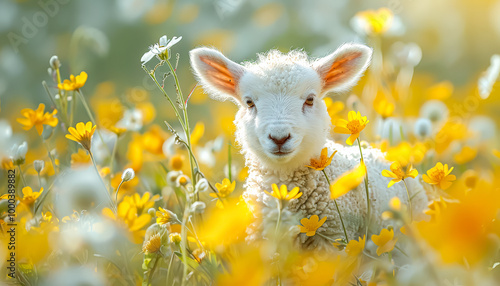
(316, 194)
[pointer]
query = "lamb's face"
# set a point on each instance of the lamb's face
(282, 118)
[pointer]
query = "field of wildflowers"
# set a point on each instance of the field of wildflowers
(116, 168)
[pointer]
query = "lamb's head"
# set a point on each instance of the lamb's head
(282, 119)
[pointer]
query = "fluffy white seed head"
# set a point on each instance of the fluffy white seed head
(128, 174)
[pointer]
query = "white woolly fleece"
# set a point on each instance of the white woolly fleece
(315, 199)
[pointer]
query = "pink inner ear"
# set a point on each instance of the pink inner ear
(340, 70)
(218, 74)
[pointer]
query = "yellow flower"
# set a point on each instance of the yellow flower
(383, 106)
(374, 21)
(282, 193)
(395, 204)
(440, 175)
(74, 83)
(82, 134)
(384, 241)
(323, 161)
(144, 203)
(29, 197)
(436, 208)
(225, 189)
(465, 155)
(128, 219)
(38, 118)
(176, 162)
(198, 131)
(348, 181)
(7, 164)
(333, 108)
(404, 153)
(80, 158)
(398, 173)
(355, 247)
(309, 226)
(175, 237)
(163, 216)
(153, 244)
(354, 125)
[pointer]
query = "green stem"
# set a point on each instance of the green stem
(338, 210)
(113, 206)
(113, 153)
(409, 201)
(184, 242)
(279, 216)
(169, 268)
(50, 156)
(368, 213)
(152, 270)
(39, 180)
(22, 176)
(327, 238)
(117, 190)
(89, 112)
(73, 108)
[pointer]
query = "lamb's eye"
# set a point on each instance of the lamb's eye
(309, 100)
(250, 103)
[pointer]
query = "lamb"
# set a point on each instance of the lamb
(283, 122)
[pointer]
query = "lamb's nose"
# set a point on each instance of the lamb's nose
(280, 141)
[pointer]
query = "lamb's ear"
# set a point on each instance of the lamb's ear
(341, 70)
(218, 75)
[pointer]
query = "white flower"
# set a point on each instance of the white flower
(435, 110)
(161, 49)
(19, 153)
(128, 175)
(485, 82)
(38, 165)
(132, 120)
(202, 185)
(423, 127)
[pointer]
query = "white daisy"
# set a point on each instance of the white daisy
(160, 49)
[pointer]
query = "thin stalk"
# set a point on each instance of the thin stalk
(113, 153)
(89, 112)
(279, 216)
(326, 237)
(103, 184)
(152, 270)
(169, 268)
(117, 190)
(73, 108)
(50, 156)
(39, 180)
(183, 242)
(22, 176)
(367, 192)
(338, 210)
(409, 201)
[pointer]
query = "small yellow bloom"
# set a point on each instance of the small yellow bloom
(395, 204)
(323, 161)
(404, 153)
(175, 237)
(440, 175)
(82, 134)
(348, 181)
(163, 216)
(383, 106)
(38, 118)
(153, 244)
(465, 155)
(7, 164)
(144, 203)
(436, 208)
(355, 247)
(282, 193)
(225, 189)
(80, 158)
(198, 131)
(29, 197)
(384, 241)
(333, 108)
(398, 173)
(375, 22)
(74, 83)
(176, 162)
(310, 225)
(354, 125)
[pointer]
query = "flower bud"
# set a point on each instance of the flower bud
(172, 176)
(152, 212)
(202, 185)
(182, 180)
(54, 62)
(423, 127)
(198, 207)
(128, 174)
(38, 165)
(19, 152)
(175, 238)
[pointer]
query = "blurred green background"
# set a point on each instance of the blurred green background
(107, 38)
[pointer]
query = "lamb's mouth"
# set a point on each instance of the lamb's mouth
(282, 153)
